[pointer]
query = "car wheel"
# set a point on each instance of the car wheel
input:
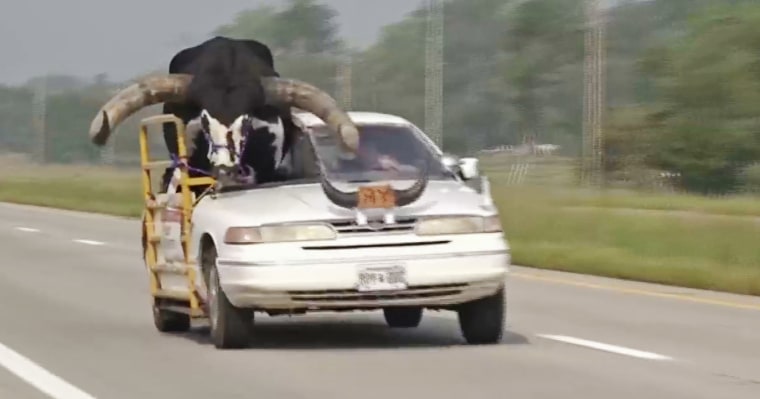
(482, 321)
(403, 317)
(230, 326)
(166, 321)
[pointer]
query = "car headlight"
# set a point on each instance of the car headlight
(458, 225)
(279, 233)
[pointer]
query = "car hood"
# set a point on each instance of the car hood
(307, 202)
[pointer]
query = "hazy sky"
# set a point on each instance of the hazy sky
(124, 38)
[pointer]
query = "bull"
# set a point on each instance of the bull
(241, 108)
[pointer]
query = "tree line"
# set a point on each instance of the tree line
(681, 79)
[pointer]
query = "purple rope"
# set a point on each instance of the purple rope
(177, 163)
(245, 171)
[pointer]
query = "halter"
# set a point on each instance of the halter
(245, 171)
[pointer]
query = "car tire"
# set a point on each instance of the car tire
(402, 317)
(167, 321)
(230, 326)
(482, 321)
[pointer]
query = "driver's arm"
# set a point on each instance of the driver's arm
(389, 163)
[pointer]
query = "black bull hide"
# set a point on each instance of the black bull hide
(227, 84)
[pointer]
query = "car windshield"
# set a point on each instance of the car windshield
(385, 152)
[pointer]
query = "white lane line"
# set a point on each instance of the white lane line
(89, 242)
(38, 377)
(27, 229)
(606, 347)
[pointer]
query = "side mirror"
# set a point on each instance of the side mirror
(468, 167)
(450, 162)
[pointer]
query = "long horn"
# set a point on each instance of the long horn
(337, 197)
(413, 193)
(146, 92)
(351, 199)
(311, 99)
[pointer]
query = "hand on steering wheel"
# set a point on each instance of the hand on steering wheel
(388, 163)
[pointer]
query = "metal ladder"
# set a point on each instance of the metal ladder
(178, 301)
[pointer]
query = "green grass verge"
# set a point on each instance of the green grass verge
(691, 250)
(80, 194)
(81, 188)
(683, 249)
(736, 205)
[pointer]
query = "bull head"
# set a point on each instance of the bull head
(226, 143)
(277, 91)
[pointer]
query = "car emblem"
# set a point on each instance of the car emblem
(375, 226)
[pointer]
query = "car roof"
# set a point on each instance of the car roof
(359, 118)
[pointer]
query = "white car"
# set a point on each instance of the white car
(302, 246)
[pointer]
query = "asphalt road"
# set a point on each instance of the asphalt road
(75, 322)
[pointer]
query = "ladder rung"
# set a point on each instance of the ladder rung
(181, 270)
(157, 164)
(155, 205)
(169, 294)
(153, 238)
(157, 238)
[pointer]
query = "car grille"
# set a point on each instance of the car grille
(349, 227)
(416, 292)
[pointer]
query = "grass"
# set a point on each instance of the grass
(737, 205)
(81, 188)
(694, 250)
(555, 226)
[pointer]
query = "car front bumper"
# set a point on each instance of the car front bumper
(432, 280)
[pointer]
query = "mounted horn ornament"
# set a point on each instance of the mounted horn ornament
(399, 198)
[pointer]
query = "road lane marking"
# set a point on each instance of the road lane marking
(27, 229)
(606, 347)
(89, 242)
(38, 377)
(635, 291)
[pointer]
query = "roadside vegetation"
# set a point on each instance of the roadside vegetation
(81, 188)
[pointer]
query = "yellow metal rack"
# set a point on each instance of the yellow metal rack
(170, 300)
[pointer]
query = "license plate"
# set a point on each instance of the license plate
(376, 197)
(382, 278)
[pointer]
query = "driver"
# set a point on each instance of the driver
(372, 158)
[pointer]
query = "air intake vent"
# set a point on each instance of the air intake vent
(349, 227)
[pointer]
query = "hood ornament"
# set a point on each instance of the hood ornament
(361, 219)
(389, 218)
